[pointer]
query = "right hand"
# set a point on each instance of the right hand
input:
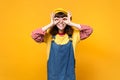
(54, 20)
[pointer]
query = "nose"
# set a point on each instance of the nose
(60, 20)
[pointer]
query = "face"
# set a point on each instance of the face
(61, 24)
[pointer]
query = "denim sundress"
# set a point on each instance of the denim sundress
(61, 62)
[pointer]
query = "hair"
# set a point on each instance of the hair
(68, 29)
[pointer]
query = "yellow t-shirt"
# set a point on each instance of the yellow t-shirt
(60, 40)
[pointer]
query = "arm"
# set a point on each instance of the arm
(38, 34)
(85, 31)
(68, 21)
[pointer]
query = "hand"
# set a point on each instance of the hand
(54, 21)
(67, 19)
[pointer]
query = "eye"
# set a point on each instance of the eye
(56, 19)
(64, 18)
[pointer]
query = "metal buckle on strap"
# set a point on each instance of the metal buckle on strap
(53, 39)
(70, 39)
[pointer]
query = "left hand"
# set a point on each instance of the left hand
(67, 19)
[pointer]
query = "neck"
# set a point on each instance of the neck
(61, 32)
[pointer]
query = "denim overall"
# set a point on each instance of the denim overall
(61, 63)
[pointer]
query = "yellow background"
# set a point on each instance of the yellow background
(21, 58)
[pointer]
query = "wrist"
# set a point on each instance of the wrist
(51, 24)
(75, 25)
(69, 23)
(47, 27)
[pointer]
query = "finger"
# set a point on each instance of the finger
(52, 15)
(55, 22)
(65, 18)
(69, 14)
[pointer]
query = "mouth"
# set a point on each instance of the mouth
(60, 25)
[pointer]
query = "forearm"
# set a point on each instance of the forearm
(47, 27)
(38, 35)
(75, 25)
(85, 31)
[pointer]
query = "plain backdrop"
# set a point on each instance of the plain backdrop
(21, 58)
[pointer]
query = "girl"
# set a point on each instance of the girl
(61, 37)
